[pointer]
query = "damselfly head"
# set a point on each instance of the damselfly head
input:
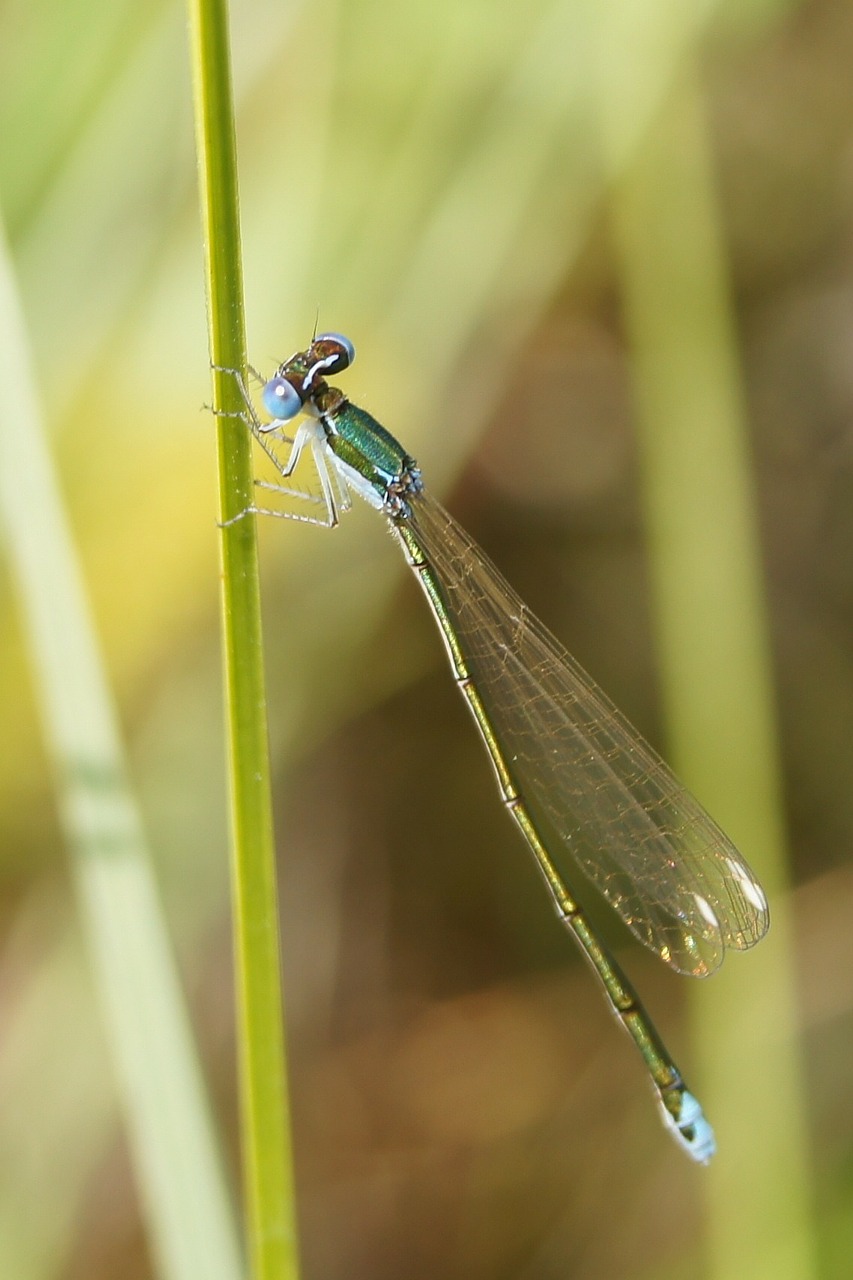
(329, 353)
(301, 378)
(333, 352)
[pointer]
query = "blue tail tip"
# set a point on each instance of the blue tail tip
(690, 1129)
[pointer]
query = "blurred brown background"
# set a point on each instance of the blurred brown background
(432, 180)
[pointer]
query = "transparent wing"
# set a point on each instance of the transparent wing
(601, 797)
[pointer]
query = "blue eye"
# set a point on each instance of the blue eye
(338, 351)
(281, 399)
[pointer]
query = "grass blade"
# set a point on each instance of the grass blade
(267, 1157)
(175, 1151)
(716, 671)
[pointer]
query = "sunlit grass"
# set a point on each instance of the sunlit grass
(180, 1178)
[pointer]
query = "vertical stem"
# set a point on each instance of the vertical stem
(267, 1147)
(717, 684)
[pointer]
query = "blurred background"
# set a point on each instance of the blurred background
(454, 186)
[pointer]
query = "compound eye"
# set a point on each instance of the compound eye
(281, 399)
(336, 350)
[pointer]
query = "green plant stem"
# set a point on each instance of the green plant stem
(717, 684)
(267, 1147)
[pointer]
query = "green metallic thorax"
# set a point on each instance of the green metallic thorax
(361, 442)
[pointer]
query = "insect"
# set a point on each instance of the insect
(586, 792)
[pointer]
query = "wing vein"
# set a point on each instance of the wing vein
(600, 796)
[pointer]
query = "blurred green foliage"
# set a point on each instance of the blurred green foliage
(432, 178)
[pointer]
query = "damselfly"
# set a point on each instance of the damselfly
(583, 787)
